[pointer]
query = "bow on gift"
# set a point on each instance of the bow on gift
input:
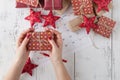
(33, 3)
(88, 23)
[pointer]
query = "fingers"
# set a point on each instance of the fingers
(23, 35)
(25, 41)
(59, 38)
(52, 42)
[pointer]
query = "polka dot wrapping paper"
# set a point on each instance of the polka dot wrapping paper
(105, 26)
(29, 3)
(83, 7)
(39, 41)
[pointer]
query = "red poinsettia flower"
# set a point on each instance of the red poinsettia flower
(50, 19)
(29, 66)
(102, 4)
(88, 23)
(34, 17)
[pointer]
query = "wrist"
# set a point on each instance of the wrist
(21, 59)
(56, 62)
(22, 56)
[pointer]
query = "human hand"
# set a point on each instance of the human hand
(21, 52)
(56, 53)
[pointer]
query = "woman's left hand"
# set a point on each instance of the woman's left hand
(21, 52)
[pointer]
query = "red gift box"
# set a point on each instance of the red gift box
(83, 7)
(29, 3)
(53, 4)
(39, 41)
(105, 26)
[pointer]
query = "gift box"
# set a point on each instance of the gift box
(105, 26)
(29, 3)
(74, 24)
(66, 4)
(83, 7)
(53, 4)
(39, 41)
(102, 7)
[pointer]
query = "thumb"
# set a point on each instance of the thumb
(25, 41)
(52, 42)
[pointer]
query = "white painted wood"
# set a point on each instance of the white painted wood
(116, 42)
(90, 57)
(94, 61)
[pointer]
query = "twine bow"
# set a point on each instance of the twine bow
(41, 41)
(81, 8)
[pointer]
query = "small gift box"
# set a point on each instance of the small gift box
(66, 4)
(39, 41)
(102, 6)
(29, 3)
(83, 7)
(105, 26)
(53, 4)
(74, 24)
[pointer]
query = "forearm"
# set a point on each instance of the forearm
(61, 71)
(15, 70)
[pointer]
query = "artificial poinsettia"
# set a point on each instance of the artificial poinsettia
(34, 17)
(50, 19)
(29, 66)
(102, 4)
(88, 23)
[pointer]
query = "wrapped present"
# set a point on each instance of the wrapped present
(53, 4)
(39, 41)
(105, 26)
(66, 4)
(83, 22)
(102, 6)
(74, 24)
(29, 3)
(83, 7)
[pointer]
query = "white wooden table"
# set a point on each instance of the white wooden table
(90, 57)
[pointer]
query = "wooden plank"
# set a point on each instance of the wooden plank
(46, 70)
(93, 62)
(116, 42)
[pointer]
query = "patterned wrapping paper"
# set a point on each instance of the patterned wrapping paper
(39, 41)
(83, 7)
(29, 3)
(53, 4)
(105, 26)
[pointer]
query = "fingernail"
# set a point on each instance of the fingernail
(50, 38)
(31, 29)
(28, 36)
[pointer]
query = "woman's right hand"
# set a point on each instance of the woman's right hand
(56, 53)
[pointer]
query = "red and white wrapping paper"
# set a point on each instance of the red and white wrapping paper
(83, 7)
(39, 41)
(105, 26)
(28, 3)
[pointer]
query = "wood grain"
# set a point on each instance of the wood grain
(90, 57)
